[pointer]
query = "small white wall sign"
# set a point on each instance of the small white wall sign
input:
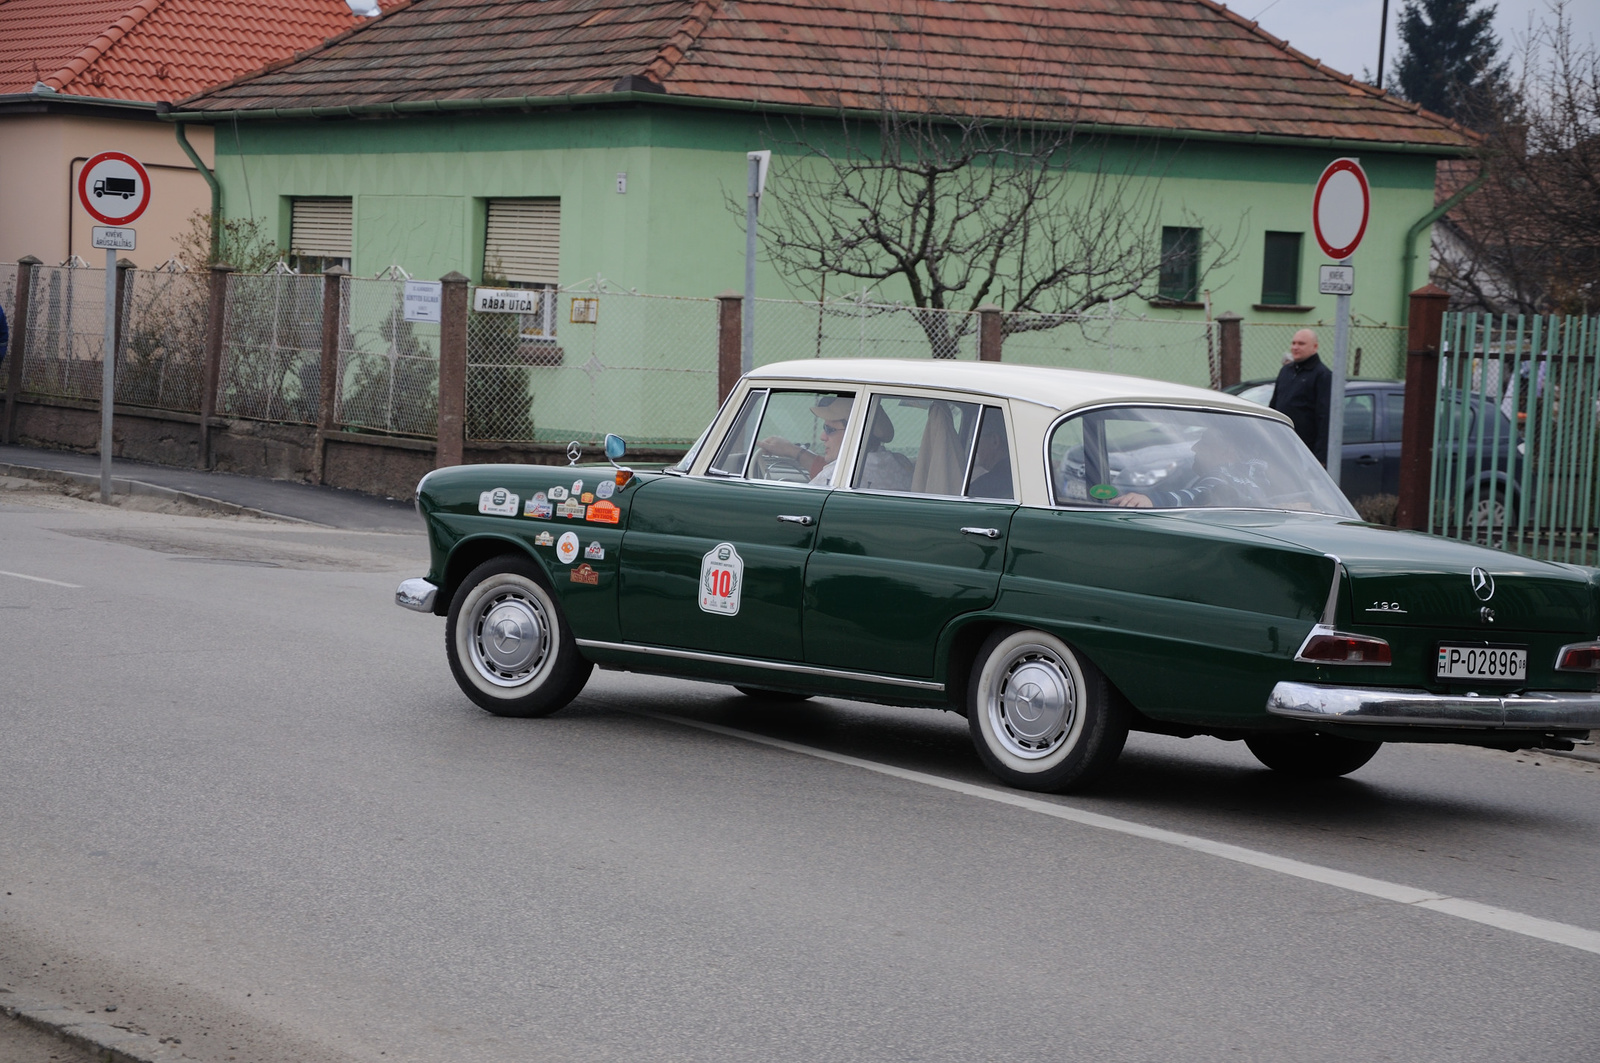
(507, 300)
(422, 300)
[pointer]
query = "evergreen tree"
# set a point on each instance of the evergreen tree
(1449, 60)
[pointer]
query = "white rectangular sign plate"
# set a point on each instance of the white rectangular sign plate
(422, 300)
(507, 300)
(113, 239)
(1336, 280)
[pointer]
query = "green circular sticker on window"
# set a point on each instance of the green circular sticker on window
(1103, 492)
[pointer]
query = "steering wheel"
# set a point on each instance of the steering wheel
(771, 466)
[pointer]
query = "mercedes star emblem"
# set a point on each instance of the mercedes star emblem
(1482, 584)
(575, 451)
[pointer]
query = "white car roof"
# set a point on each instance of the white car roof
(1056, 389)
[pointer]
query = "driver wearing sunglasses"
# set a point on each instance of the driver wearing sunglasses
(835, 417)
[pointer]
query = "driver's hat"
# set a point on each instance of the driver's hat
(837, 409)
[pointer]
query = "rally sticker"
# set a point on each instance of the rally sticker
(721, 580)
(558, 494)
(571, 508)
(577, 487)
(567, 547)
(499, 501)
(585, 574)
(605, 513)
(594, 552)
(604, 488)
(587, 497)
(1103, 492)
(544, 538)
(537, 507)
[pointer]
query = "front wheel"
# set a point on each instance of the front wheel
(1311, 756)
(509, 645)
(1042, 718)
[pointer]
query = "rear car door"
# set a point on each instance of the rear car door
(918, 536)
(1361, 474)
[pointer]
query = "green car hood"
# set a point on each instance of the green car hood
(1407, 578)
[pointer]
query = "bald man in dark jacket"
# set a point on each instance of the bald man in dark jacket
(1304, 391)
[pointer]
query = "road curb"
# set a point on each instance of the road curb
(109, 1043)
(125, 486)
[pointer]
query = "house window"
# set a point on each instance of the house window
(1180, 264)
(1280, 270)
(319, 233)
(521, 249)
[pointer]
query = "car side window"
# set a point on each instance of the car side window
(1394, 411)
(990, 472)
(734, 455)
(916, 445)
(1359, 414)
(799, 437)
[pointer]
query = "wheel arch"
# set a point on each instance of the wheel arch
(966, 635)
(470, 553)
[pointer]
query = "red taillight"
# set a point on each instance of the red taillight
(1579, 657)
(1338, 647)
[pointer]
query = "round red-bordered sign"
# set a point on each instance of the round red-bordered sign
(113, 182)
(1341, 207)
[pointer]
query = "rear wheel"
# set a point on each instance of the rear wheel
(1042, 717)
(1312, 756)
(508, 642)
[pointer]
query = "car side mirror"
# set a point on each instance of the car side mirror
(616, 446)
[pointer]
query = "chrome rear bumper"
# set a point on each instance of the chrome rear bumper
(416, 594)
(1531, 710)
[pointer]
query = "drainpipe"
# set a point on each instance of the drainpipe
(216, 189)
(1408, 259)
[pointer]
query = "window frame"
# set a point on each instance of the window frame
(1191, 259)
(1274, 297)
(983, 402)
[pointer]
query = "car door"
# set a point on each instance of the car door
(1361, 474)
(916, 539)
(1392, 418)
(716, 561)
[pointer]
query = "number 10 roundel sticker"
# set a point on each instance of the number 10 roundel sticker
(721, 580)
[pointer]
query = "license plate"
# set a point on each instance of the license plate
(1505, 663)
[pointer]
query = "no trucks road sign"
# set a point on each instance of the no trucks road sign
(113, 188)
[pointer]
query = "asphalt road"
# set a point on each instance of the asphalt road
(245, 804)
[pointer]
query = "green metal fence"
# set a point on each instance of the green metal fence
(1516, 448)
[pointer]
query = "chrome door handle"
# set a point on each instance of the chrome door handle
(987, 533)
(791, 518)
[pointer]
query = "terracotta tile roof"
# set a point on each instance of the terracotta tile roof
(1187, 65)
(154, 49)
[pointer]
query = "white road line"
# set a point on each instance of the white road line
(1575, 937)
(41, 579)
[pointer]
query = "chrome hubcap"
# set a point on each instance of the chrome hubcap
(510, 638)
(1033, 704)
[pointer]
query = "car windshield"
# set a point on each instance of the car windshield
(1146, 457)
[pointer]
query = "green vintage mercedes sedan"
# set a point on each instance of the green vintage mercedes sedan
(1060, 556)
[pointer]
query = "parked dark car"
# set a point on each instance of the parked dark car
(1477, 429)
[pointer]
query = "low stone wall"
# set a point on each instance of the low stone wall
(387, 466)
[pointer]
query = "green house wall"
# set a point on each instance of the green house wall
(420, 183)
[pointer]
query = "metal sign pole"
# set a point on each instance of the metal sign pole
(108, 376)
(1341, 348)
(747, 350)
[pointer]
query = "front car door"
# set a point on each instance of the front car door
(917, 535)
(715, 561)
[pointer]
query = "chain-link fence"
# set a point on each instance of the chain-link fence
(388, 366)
(161, 349)
(858, 328)
(1376, 352)
(66, 332)
(272, 347)
(591, 361)
(1184, 352)
(8, 291)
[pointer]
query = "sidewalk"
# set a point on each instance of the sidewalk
(327, 506)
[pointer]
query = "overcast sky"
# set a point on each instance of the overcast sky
(1344, 33)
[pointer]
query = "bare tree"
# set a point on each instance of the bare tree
(1529, 241)
(963, 206)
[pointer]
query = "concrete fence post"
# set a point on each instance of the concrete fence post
(452, 371)
(328, 379)
(1230, 343)
(211, 369)
(991, 332)
(19, 344)
(124, 292)
(730, 334)
(1425, 326)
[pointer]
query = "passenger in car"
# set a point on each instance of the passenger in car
(1223, 477)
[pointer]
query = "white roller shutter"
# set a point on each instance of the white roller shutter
(524, 240)
(321, 227)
